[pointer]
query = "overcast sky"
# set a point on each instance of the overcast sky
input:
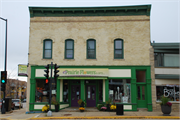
(164, 24)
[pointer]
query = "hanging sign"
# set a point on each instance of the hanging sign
(83, 72)
(22, 70)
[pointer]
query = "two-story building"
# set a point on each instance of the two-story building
(166, 62)
(103, 53)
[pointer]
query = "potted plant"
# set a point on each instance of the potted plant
(45, 108)
(82, 109)
(108, 104)
(165, 106)
(56, 104)
(81, 103)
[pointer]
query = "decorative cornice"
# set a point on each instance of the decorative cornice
(90, 11)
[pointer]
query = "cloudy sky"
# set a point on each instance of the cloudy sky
(165, 17)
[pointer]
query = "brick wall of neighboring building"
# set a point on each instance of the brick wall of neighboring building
(16, 89)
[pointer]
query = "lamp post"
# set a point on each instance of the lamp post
(5, 62)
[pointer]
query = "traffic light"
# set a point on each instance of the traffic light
(3, 87)
(46, 71)
(3, 77)
(56, 71)
(47, 80)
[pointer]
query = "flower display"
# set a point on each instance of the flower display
(45, 108)
(81, 108)
(165, 101)
(169, 104)
(113, 107)
(103, 108)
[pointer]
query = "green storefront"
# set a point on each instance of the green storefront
(130, 85)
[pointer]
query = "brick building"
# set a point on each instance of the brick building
(103, 54)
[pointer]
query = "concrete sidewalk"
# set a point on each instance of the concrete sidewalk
(76, 114)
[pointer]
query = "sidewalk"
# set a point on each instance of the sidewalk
(76, 114)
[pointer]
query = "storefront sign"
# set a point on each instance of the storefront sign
(83, 72)
(22, 70)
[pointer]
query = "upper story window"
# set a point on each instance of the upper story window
(166, 60)
(69, 49)
(91, 49)
(118, 49)
(47, 49)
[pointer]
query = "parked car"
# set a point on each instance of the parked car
(17, 103)
(24, 100)
(12, 105)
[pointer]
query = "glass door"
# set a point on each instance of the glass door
(91, 95)
(141, 96)
(75, 95)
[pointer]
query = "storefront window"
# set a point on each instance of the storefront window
(170, 91)
(120, 90)
(65, 91)
(42, 90)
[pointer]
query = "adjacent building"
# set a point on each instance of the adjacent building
(166, 62)
(103, 54)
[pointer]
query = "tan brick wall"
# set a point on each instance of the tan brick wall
(134, 30)
(175, 107)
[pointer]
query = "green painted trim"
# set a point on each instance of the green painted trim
(82, 90)
(106, 90)
(119, 77)
(163, 76)
(48, 49)
(75, 78)
(32, 89)
(58, 90)
(69, 49)
(90, 49)
(165, 46)
(169, 51)
(119, 49)
(90, 11)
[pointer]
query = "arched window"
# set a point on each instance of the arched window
(91, 49)
(118, 49)
(47, 49)
(69, 49)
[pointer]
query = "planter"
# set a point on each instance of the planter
(166, 110)
(57, 108)
(82, 110)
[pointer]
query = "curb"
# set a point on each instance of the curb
(113, 117)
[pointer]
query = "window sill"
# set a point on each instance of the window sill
(91, 59)
(119, 59)
(173, 102)
(47, 59)
(68, 59)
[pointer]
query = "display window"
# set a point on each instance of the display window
(170, 91)
(42, 90)
(120, 90)
(65, 91)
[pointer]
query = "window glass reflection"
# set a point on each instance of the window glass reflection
(119, 90)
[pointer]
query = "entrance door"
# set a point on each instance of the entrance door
(91, 95)
(141, 96)
(75, 95)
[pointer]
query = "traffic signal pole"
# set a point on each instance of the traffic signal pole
(5, 65)
(50, 80)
